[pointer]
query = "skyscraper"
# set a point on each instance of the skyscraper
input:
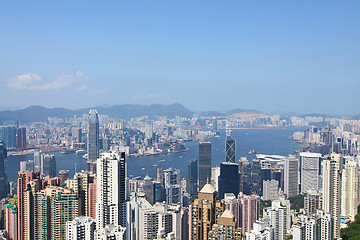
(350, 189)
(291, 176)
(204, 163)
(310, 171)
(332, 172)
(81, 228)
(48, 165)
(229, 179)
(110, 189)
(230, 149)
(21, 138)
(4, 185)
(8, 136)
(173, 188)
(192, 177)
(92, 139)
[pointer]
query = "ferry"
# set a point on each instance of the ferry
(80, 152)
(252, 151)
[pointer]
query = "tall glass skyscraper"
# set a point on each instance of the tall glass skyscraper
(204, 163)
(230, 149)
(4, 186)
(8, 136)
(93, 139)
(229, 179)
(192, 177)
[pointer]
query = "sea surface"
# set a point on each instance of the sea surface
(264, 141)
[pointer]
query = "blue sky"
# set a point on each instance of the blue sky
(274, 56)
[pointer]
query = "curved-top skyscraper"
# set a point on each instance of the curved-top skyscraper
(92, 140)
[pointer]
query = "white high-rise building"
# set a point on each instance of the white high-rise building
(310, 171)
(111, 232)
(215, 173)
(291, 176)
(270, 189)
(350, 189)
(173, 188)
(313, 227)
(261, 230)
(81, 228)
(331, 200)
(110, 203)
(279, 215)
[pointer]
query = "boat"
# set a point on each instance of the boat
(85, 156)
(67, 151)
(155, 165)
(143, 169)
(80, 152)
(162, 160)
(252, 151)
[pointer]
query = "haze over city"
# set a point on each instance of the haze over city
(272, 56)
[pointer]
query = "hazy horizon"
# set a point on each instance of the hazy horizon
(278, 56)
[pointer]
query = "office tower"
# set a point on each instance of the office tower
(225, 228)
(160, 179)
(312, 201)
(205, 211)
(21, 138)
(11, 222)
(291, 176)
(204, 163)
(245, 176)
(92, 139)
(81, 228)
(215, 173)
(332, 172)
(184, 223)
(148, 131)
(37, 161)
(173, 188)
(111, 232)
(79, 135)
(350, 189)
(27, 166)
(4, 185)
(8, 136)
(148, 189)
(310, 171)
(270, 190)
(110, 189)
(279, 214)
(22, 183)
(48, 165)
(229, 179)
(192, 177)
(107, 143)
(230, 149)
(256, 182)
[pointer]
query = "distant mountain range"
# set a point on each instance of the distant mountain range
(126, 111)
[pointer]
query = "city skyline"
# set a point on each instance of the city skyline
(273, 57)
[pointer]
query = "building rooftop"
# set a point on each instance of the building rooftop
(227, 214)
(208, 189)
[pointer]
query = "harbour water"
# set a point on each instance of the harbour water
(264, 141)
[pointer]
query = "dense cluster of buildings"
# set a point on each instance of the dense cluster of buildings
(239, 199)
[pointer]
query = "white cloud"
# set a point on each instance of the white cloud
(81, 75)
(24, 81)
(99, 91)
(32, 81)
(61, 81)
(81, 88)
